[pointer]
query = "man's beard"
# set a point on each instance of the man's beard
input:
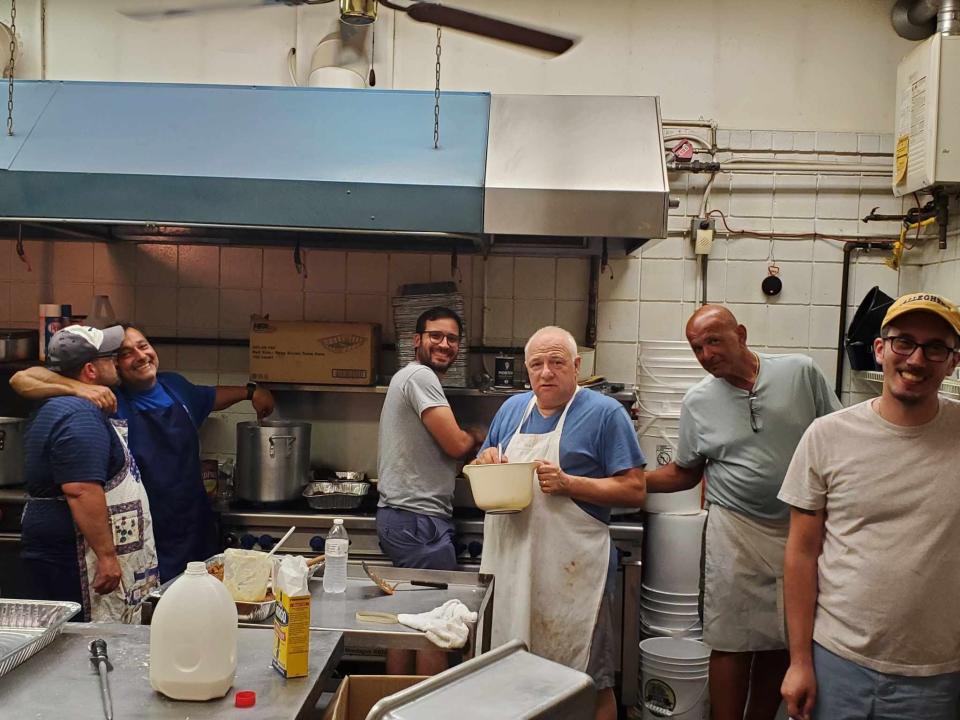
(424, 358)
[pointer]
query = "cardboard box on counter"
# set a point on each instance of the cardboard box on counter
(314, 352)
(357, 694)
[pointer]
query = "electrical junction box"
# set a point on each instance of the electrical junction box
(702, 233)
(927, 137)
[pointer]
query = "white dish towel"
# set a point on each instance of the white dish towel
(445, 626)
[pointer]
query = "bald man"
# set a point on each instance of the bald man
(739, 428)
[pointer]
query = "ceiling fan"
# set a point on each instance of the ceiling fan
(364, 12)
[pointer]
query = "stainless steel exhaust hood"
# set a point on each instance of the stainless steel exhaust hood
(184, 161)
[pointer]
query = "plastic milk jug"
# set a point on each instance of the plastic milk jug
(193, 638)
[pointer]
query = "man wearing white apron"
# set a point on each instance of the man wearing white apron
(87, 529)
(552, 562)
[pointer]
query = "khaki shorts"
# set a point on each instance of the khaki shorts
(742, 582)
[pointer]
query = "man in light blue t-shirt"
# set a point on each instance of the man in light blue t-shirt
(739, 428)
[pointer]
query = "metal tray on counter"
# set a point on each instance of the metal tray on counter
(28, 626)
(335, 495)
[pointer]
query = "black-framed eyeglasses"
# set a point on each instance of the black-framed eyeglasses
(437, 337)
(756, 422)
(932, 351)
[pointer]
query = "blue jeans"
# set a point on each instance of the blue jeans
(848, 691)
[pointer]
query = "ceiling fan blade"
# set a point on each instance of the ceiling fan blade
(469, 22)
(160, 13)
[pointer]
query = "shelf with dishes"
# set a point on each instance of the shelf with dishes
(950, 387)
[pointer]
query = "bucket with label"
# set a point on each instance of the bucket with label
(674, 679)
(659, 446)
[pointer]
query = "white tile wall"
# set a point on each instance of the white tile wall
(804, 317)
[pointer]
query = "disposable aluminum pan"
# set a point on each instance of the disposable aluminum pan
(329, 495)
(28, 626)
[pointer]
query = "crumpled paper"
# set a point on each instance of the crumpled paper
(445, 626)
(292, 576)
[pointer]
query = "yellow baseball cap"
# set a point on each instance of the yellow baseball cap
(926, 302)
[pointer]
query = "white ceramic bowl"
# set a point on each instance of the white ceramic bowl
(503, 487)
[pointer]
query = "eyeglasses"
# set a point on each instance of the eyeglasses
(756, 423)
(933, 351)
(437, 337)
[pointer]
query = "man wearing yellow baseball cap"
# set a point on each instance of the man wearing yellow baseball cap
(872, 571)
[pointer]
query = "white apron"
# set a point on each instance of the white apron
(549, 561)
(128, 510)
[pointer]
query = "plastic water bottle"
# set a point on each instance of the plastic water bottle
(193, 638)
(335, 548)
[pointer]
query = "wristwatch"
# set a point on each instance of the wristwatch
(251, 389)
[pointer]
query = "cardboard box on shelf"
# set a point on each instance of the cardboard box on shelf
(357, 694)
(314, 352)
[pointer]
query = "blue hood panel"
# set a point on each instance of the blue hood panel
(237, 156)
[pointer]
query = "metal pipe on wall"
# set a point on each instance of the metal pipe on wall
(914, 19)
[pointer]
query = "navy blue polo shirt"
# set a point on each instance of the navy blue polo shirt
(67, 440)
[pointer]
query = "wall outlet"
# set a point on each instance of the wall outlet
(702, 234)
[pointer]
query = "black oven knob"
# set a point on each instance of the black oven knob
(247, 541)
(266, 542)
(316, 543)
(230, 540)
(461, 549)
(474, 549)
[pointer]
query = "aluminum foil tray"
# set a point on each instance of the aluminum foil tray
(335, 495)
(28, 626)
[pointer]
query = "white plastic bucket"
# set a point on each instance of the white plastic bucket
(693, 633)
(669, 597)
(673, 544)
(653, 666)
(686, 606)
(678, 652)
(674, 695)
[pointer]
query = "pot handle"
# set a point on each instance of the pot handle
(291, 439)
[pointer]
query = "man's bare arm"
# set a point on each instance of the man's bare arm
(37, 383)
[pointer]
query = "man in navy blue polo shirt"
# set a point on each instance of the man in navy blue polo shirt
(87, 529)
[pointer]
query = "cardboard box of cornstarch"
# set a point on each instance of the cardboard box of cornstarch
(291, 629)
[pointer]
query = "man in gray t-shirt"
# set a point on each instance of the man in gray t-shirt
(739, 428)
(418, 448)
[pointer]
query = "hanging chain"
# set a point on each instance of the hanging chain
(436, 98)
(13, 64)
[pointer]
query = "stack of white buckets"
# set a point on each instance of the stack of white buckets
(674, 664)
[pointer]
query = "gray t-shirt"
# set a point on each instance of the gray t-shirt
(745, 469)
(889, 570)
(414, 471)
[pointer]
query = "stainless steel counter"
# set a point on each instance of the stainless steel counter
(339, 612)
(60, 682)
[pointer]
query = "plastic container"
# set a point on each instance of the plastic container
(336, 548)
(193, 638)
(502, 487)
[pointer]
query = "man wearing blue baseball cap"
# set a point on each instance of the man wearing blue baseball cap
(87, 529)
(872, 572)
